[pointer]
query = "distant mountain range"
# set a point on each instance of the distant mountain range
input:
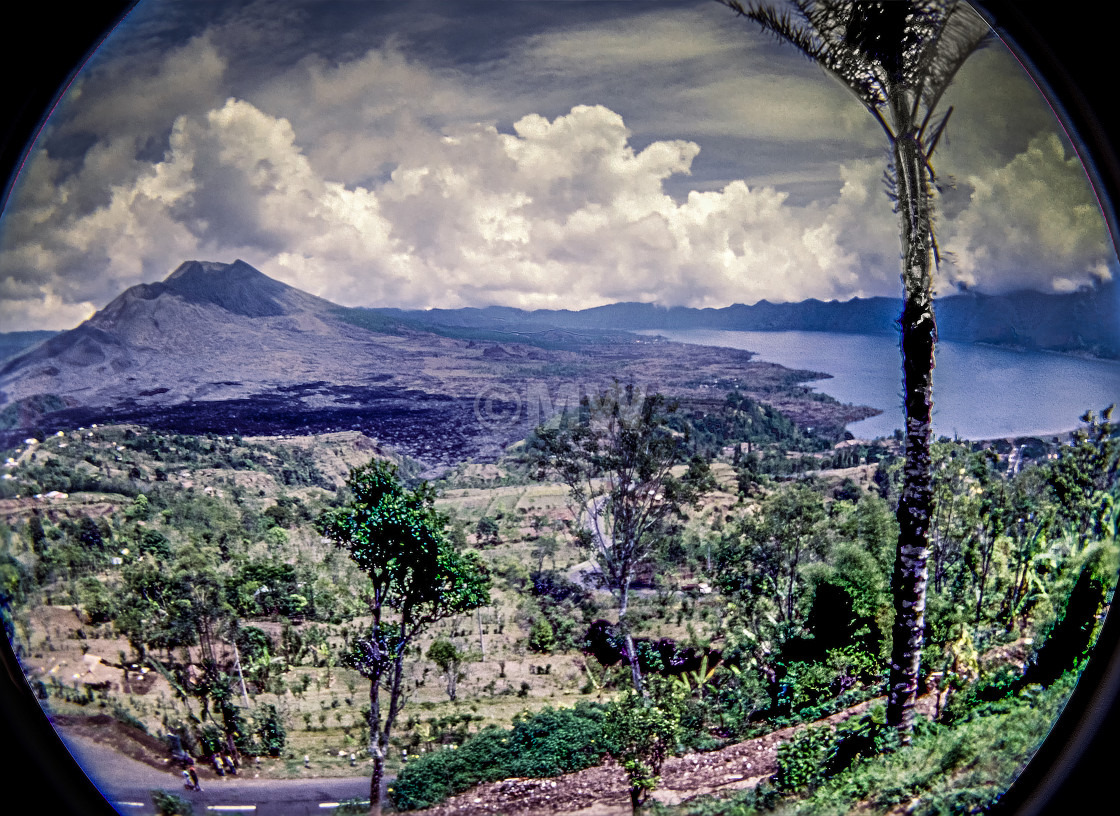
(1082, 322)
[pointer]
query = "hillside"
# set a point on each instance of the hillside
(223, 348)
(105, 522)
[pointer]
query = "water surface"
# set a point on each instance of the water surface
(980, 392)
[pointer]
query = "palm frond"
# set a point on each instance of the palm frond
(930, 142)
(781, 25)
(819, 30)
(845, 37)
(889, 181)
(961, 33)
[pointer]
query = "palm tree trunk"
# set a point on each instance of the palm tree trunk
(918, 337)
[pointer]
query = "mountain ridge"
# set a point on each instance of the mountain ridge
(1082, 322)
(1085, 322)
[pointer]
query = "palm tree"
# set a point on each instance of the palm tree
(898, 57)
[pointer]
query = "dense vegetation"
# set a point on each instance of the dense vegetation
(192, 566)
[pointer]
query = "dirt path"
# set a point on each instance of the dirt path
(602, 790)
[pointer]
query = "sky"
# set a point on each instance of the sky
(525, 153)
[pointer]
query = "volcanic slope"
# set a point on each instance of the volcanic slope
(210, 331)
(224, 348)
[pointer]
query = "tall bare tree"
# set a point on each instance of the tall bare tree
(898, 57)
(618, 460)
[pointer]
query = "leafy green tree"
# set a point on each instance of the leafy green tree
(1031, 519)
(90, 534)
(763, 558)
(154, 542)
(196, 570)
(449, 660)
(140, 510)
(542, 637)
(15, 585)
(641, 732)
(36, 534)
(546, 546)
(267, 587)
(949, 525)
(96, 600)
(154, 608)
(898, 58)
(253, 643)
(416, 578)
(617, 460)
(1083, 478)
(488, 532)
(270, 730)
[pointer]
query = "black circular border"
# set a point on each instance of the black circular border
(1068, 49)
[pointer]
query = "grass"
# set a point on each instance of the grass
(947, 770)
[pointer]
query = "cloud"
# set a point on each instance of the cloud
(137, 102)
(1032, 223)
(667, 157)
(649, 40)
(358, 119)
(560, 211)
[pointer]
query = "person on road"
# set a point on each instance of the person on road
(192, 779)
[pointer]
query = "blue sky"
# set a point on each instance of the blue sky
(545, 153)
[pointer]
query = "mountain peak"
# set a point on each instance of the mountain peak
(236, 287)
(188, 270)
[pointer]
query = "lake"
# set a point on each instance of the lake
(979, 392)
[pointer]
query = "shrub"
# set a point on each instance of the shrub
(801, 761)
(866, 737)
(555, 741)
(97, 600)
(641, 733)
(270, 731)
(541, 637)
(433, 777)
(254, 643)
(211, 738)
(154, 542)
(168, 804)
(548, 743)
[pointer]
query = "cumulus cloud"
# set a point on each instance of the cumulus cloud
(384, 178)
(358, 119)
(1031, 223)
(566, 212)
(557, 212)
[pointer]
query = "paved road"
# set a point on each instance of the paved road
(127, 784)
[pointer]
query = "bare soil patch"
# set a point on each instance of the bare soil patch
(108, 731)
(602, 790)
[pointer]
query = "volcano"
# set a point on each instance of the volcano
(209, 331)
(224, 348)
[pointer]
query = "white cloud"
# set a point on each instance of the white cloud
(383, 180)
(1032, 223)
(561, 211)
(48, 309)
(649, 40)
